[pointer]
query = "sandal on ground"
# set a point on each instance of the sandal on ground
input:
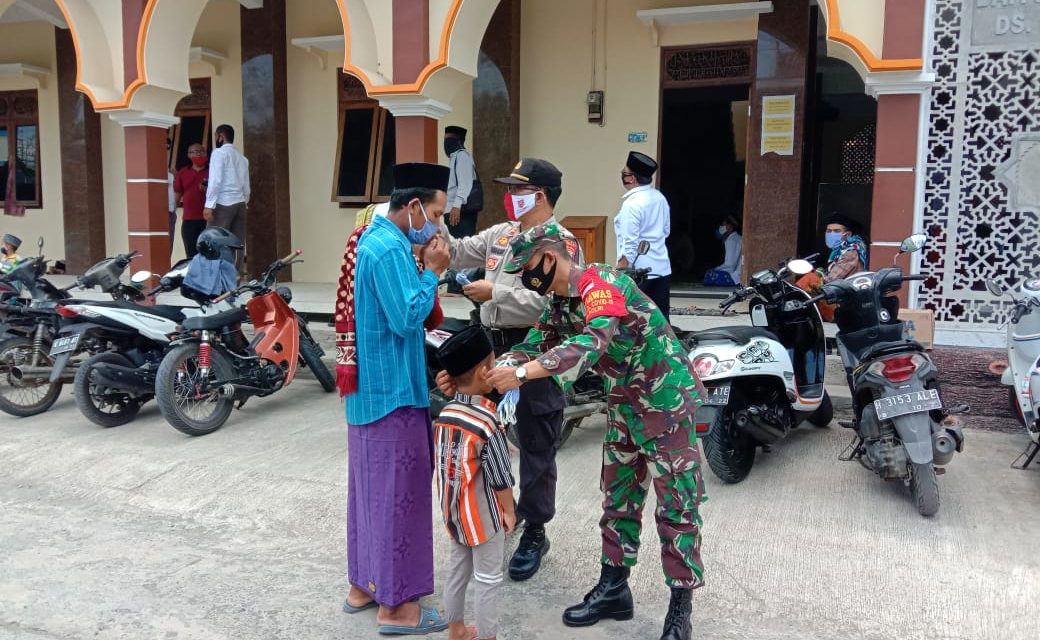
(430, 621)
(349, 608)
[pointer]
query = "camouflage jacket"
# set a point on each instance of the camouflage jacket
(615, 329)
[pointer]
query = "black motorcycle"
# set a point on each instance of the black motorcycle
(902, 430)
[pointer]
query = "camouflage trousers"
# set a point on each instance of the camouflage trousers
(672, 462)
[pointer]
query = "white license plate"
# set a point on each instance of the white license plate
(718, 396)
(64, 345)
(907, 403)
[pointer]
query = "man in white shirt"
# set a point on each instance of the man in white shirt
(645, 215)
(727, 274)
(227, 193)
(462, 219)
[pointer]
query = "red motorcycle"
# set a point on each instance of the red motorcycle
(212, 366)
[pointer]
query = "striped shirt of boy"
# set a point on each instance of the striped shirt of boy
(472, 464)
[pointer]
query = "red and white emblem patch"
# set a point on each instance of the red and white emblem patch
(491, 263)
(600, 297)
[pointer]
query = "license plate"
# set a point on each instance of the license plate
(907, 403)
(718, 396)
(64, 345)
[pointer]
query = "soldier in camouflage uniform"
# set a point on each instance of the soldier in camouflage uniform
(598, 318)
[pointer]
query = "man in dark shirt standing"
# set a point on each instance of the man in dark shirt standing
(189, 187)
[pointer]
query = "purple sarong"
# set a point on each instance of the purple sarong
(390, 507)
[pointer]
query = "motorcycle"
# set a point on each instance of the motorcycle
(764, 380)
(211, 366)
(124, 342)
(903, 430)
(1022, 375)
(26, 363)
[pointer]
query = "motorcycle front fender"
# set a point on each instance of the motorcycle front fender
(915, 432)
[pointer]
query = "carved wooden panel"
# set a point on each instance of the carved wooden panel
(705, 66)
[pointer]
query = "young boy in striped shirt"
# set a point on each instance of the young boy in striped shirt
(475, 485)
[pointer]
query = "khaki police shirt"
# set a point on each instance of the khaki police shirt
(511, 306)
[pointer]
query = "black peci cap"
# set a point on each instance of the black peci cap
(641, 164)
(421, 175)
(837, 217)
(464, 350)
(535, 172)
(12, 240)
(456, 131)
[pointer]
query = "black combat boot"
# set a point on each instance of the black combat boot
(677, 622)
(529, 553)
(610, 598)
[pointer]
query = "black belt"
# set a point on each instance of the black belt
(506, 338)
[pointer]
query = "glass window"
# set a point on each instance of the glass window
(366, 152)
(20, 145)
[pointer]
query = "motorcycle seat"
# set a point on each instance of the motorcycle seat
(209, 323)
(740, 335)
(169, 312)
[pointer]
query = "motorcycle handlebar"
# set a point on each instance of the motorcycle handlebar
(917, 277)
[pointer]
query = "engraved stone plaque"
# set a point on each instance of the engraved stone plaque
(1021, 173)
(1005, 24)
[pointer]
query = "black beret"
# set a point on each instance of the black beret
(641, 164)
(464, 350)
(421, 175)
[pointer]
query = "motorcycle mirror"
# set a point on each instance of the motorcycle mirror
(39, 245)
(994, 287)
(914, 243)
(643, 248)
(799, 267)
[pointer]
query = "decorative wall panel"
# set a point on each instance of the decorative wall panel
(987, 90)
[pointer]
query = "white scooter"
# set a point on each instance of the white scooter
(762, 380)
(1022, 375)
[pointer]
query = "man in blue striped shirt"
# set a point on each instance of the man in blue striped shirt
(389, 509)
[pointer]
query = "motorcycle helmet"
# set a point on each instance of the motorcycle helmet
(215, 242)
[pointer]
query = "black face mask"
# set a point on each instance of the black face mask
(3, 250)
(219, 143)
(538, 279)
(451, 145)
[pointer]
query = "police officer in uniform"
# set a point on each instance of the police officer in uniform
(509, 310)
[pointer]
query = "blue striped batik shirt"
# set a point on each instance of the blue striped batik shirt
(391, 300)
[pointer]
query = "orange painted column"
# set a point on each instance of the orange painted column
(898, 157)
(416, 135)
(147, 188)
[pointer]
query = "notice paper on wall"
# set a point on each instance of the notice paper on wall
(778, 125)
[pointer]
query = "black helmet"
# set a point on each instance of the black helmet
(213, 243)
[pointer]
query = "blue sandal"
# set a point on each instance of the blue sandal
(430, 621)
(349, 608)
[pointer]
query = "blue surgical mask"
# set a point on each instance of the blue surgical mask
(424, 234)
(833, 239)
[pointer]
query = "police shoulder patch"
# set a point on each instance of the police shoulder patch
(600, 297)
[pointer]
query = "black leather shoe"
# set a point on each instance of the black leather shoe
(677, 621)
(529, 553)
(611, 598)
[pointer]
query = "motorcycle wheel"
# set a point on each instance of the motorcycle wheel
(309, 354)
(566, 430)
(1015, 407)
(175, 389)
(729, 454)
(924, 485)
(103, 406)
(822, 417)
(24, 400)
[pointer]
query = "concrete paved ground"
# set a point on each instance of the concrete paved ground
(142, 533)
